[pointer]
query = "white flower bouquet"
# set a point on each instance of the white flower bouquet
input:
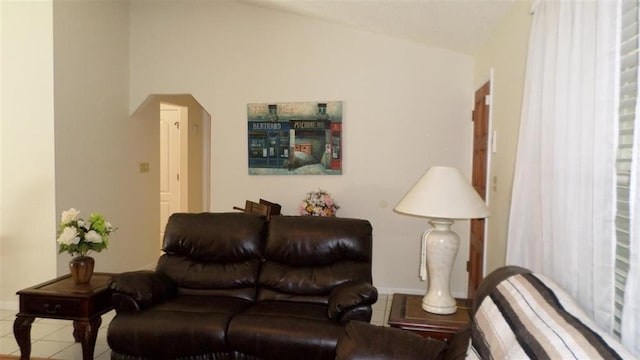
(78, 236)
(318, 203)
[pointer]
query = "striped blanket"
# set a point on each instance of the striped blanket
(528, 316)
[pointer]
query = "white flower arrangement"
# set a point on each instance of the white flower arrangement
(78, 236)
(318, 203)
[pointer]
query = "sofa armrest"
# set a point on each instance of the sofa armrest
(363, 341)
(358, 313)
(458, 345)
(351, 295)
(136, 290)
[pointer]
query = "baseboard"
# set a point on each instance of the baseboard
(390, 291)
(150, 266)
(10, 305)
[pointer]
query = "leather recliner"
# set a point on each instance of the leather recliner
(236, 286)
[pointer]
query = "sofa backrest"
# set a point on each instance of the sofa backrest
(492, 280)
(527, 315)
(307, 256)
(214, 253)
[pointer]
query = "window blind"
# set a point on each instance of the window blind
(627, 113)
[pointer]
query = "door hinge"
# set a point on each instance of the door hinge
(178, 177)
(468, 266)
(487, 100)
(473, 115)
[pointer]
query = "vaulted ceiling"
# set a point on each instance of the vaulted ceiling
(458, 25)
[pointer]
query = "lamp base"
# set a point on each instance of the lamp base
(441, 248)
(438, 308)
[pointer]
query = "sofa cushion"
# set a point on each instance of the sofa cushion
(306, 257)
(179, 327)
(530, 316)
(285, 330)
(214, 253)
(363, 341)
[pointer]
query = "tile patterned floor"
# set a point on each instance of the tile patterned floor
(53, 339)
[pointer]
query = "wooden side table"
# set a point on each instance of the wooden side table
(407, 314)
(61, 298)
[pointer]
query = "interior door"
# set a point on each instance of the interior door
(169, 164)
(479, 182)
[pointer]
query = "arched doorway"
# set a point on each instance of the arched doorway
(179, 138)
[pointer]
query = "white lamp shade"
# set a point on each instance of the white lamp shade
(444, 193)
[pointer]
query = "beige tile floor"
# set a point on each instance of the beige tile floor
(53, 339)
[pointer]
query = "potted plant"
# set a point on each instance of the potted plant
(78, 237)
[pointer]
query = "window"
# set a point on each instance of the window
(627, 110)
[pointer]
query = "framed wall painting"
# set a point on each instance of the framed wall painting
(295, 138)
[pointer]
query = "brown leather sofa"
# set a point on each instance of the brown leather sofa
(236, 286)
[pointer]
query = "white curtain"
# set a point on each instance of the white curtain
(563, 202)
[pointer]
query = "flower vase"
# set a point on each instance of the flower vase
(81, 268)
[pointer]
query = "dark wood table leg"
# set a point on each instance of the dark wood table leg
(22, 332)
(86, 333)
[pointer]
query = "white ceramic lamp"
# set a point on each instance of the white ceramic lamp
(442, 194)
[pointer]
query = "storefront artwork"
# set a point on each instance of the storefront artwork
(297, 138)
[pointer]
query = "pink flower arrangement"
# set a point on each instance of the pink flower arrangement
(318, 203)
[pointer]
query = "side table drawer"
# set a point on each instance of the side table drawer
(442, 335)
(51, 307)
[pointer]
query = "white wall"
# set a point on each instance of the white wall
(98, 146)
(27, 188)
(406, 107)
(506, 54)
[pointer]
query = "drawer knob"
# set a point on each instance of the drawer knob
(51, 310)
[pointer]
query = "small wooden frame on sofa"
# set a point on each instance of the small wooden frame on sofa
(264, 207)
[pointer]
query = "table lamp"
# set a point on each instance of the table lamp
(442, 194)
